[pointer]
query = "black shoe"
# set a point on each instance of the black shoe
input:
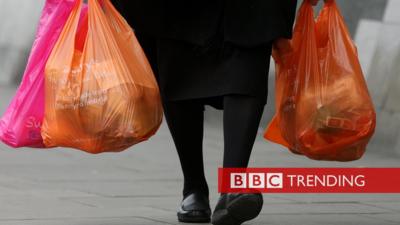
(235, 209)
(195, 208)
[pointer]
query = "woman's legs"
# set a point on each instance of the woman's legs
(185, 120)
(242, 115)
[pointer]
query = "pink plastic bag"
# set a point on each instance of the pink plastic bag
(21, 123)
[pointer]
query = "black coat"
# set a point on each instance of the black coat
(245, 22)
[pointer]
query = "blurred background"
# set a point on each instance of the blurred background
(374, 24)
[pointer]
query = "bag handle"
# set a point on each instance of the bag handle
(304, 22)
(61, 51)
(330, 17)
(67, 39)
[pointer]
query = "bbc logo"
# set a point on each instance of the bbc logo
(256, 180)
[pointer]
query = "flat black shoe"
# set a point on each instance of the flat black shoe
(195, 208)
(235, 209)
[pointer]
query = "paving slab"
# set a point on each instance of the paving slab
(308, 219)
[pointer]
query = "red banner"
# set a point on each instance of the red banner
(309, 180)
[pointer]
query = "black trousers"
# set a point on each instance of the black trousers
(241, 118)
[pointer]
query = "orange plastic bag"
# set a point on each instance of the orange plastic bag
(101, 94)
(323, 108)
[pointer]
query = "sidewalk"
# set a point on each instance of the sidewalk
(142, 185)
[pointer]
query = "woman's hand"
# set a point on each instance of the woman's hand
(282, 47)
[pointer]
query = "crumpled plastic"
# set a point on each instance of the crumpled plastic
(101, 94)
(323, 107)
(21, 124)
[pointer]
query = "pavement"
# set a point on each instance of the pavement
(142, 185)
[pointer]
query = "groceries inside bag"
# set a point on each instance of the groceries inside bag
(101, 94)
(323, 108)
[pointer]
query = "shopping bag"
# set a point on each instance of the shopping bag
(101, 94)
(21, 124)
(323, 108)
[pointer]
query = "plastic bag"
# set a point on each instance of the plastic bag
(21, 124)
(324, 110)
(101, 94)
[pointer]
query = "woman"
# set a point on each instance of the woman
(212, 52)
